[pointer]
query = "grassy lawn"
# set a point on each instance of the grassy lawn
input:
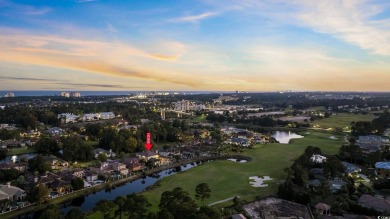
(341, 120)
(227, 178)
(17, 151)
(91, 143)
(200, 118)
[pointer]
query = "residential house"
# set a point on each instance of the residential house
(55, 131)
(17, 166)
(322, 209)
(56, 163)
(30, 134)
(107, 115)
(351, 168)
(11, 192)
(67, 117)
(11, 143)
(90, 117)
(336, 184)
(109, 153)
(120, 167)
(147, 155)
(383, 169)
(90, 176)
(378, 203)
(371, 143)
(133, 164)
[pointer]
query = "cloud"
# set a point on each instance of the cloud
(62, 82)
(21, 9)
(195, 18)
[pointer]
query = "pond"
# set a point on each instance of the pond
(238, 160)
(284, 137)
(16, 158)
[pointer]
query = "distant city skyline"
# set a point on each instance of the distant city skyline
(203, 45)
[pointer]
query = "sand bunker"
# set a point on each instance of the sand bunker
(238, 161)
(258, 181)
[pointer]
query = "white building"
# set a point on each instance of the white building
(75, 94)
(107, 115)
(67, 117)
(183, 105)
(10, 94)
(91, 117)
(64, 94)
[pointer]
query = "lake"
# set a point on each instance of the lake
(284, 137)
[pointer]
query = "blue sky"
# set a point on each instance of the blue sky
(248, 45)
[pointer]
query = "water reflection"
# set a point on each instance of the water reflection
(284, 137)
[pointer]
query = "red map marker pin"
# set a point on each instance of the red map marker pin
(148, 145)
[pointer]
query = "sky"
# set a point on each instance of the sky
(198, 45)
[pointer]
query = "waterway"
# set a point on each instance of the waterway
(87, 203)
(284, 137)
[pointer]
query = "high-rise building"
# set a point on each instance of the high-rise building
(75, 94)
(10, 94)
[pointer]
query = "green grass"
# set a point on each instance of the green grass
(200, 118)
(17, 151)
(341, 120)
(91, 143)
(227, 179)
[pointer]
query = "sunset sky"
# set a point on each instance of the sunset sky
(208, 45)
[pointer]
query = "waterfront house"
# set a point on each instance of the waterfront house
(133, 164)
(119, 167)
(11, 192)
(90, 176)
(147, 155)
(17, 166)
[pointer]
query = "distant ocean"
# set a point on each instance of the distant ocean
(89, 93)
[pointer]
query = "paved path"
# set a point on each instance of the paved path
(222, 201)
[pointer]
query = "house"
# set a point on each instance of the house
(109, 153)
(350, 168)
(336, 184)
(379, 204)
(11, 192)
(78, 172)
(120, 167)
(237, 216)
(67, 117)
(30, 134)
(55, 131)
(371, 143)
(21, 167)
(133, 164)
(271, 207)
(322, 209)
(56, 163)
(60, 186)
(316, 158)
(11, 143)
(148, 155)
(107, 115)
(383, 169)
(90, 117)
(90, 176)
(120, 122)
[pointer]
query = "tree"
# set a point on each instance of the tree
(77, 183)
(202, 191)
(39, 164)
(130, 145)
(75, 213)
(120, 202)
(3, 153)
(333, 167)
(178, 203)
(39, 194)
(105, 206)
(102, 157)
(136, 205)
(46, 146)
(50, 212)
